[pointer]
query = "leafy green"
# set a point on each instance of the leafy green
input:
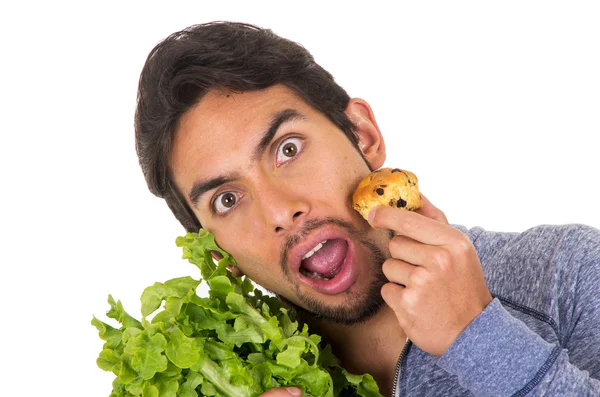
(236, 342)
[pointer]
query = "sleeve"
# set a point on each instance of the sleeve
(498, 355)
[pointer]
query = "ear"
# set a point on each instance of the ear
(235, 271)
(370, 140)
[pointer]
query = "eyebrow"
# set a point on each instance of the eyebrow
(279, 119)
(202, 187)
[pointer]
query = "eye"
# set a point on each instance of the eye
(224, 202)
(288, 149)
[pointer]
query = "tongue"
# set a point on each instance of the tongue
(328, 258)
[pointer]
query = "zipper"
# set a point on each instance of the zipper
(399, 367)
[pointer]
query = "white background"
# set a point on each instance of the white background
(494, 105)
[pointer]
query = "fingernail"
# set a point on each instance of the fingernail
(294, 391)
(372, 215)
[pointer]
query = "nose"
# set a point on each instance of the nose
(284, 206)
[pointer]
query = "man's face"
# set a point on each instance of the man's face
(272, 179)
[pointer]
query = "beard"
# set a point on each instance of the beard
(359, 306)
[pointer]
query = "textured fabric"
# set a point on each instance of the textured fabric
(540, 336)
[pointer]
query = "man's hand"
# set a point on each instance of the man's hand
(283, 392)
(436, 283)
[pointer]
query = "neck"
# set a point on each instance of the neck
(371, 347)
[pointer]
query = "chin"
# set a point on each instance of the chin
(359, 305)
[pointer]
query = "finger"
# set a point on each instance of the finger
(413, 225)
(283, 392)
(431, 211)
(392, 294)
(412, 251)
(397, 271)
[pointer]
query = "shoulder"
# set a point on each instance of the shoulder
(538, 264)
(561, 248)
(558, 255)
(583, 241)
(543, 244)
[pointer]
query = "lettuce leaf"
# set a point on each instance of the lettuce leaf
(236, 342)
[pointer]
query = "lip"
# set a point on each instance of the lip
(346, 275)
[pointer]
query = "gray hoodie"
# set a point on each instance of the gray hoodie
(540, 336)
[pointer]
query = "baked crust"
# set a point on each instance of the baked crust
(387, 186)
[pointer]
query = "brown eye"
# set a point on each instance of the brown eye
(289, 150)
(225, 202)
(228, 200)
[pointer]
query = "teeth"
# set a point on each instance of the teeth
(315, 276)
(312, 251)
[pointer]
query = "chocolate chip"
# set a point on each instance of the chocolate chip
(379, 191)
(396, 170)
(401, 203)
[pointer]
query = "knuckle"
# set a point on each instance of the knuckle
(403, 222)
(407, 224)
(409, 300)
(442, 258)
(463, 245)
(419, 277)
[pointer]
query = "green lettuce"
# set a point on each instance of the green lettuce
(237, 342)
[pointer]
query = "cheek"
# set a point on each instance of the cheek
(259, 266)
(335, 177)
(270, 278)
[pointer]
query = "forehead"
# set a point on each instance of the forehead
(220, 130)
(218, 111)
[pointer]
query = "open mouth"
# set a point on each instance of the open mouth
(325, 260)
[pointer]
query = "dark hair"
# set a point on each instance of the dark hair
(237, 57)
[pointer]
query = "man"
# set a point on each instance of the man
(245, 135)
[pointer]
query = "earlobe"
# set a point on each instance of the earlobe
(235, 271)
(370, 140)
